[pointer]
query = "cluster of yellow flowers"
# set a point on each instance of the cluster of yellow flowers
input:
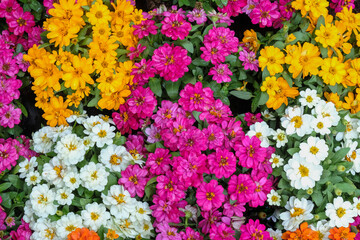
(84, 40)
(330, 56)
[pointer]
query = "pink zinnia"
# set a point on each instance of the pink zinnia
(210, 218)
(145, 28)
(170, 187)
(286, 9)
(221, 73)
(249, 152)
(159, 161)
(214, 136)
(214, 52)
(249, 60)
(221, 231)
(8, 65)
(233, 132)
(171, 134)
(210, 195)
(237, 209)
(34, 37)
(251, 118)
(8, 156)
(136, 51)
(165, 113)
(191, 234)
(263, 187)
(171, 62)
(233, 8)
(20, 22)
(134, 179)
(142, 103)
(254, 230)
(265, 13)
(135, 145)
(197, 15)
(22, 233)
(175, 26)
(153, 134)
(7, 7)
(167, 211)
(143, 72)
(125, 120)
(339, 4)
(23, 65)
(222, 163)
(167, 233)
(192, 140)
(241, 188)
(218, 112)
(173, 11)
(195, 97)
(225, 36)
(190, 167)
(9, 116)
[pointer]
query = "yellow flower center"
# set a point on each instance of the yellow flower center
(33, 178)
(274, 198)
(94, 216)
(58, 170)
(304, 171)
(297, 120)
(115, 159)
(71, 146)
(64, 195)
(98, 14)
(141, 211)
(73, 180)
(210, 196)
(320, 125)
(309, 99)
(258, 134)
(340, 212)
(70, 228)
(102, 133)
(94, 175)
(281, 136)
(42, 199)
(276, 160)
(314, 150)
(297, 212)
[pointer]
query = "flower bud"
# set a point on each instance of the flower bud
(341, 168)
(262, 215)
(316, 217)
(200, 77)
(310, 191)
(338, 192)
(59, 213)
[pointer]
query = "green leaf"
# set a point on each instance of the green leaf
(242, 94)
(151, 181)
(320, 21)
(196, 115)
(155, 86)
(264, 97)
(86, 41)
(317, 197)
(187, 45)
(200, 62)
(184, 2)
(346, 187)
(16, 182)
(172, 89)
(340, 155)
(94, 101)
(242, 75)
(4, 186)
(151, 147)
(291, 151)
(23, 109)
(84, 202)
(36, 6)
(121, 51)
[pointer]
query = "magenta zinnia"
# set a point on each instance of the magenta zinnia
(171, 62)
(175, 26)
(210, 195)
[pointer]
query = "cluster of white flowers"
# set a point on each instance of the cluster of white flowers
(57, 182)
(307, 127)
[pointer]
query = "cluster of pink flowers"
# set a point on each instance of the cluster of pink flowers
(21, 31)
(262, 12)
(338, 5)
(12, 149)
(202, 160)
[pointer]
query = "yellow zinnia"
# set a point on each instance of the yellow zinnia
(281, 95)
(61, 31)
(352, 103)
(304, 58)
(78, 73)
(99, 13)
(270, 86)
(56, 112)
(68, 10)
(328, 35)
(123, 12)
(332, 71)
(272, 58)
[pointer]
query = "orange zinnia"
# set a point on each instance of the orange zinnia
(83, 234)
(303, 233)
(341, 233)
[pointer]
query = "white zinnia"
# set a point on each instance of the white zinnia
(356, 205)
(276, 160)
(116, 158)
(321, 125)
(72, 179)
(276, 235)
(78, 117)
(296, 122)
(103, 134)
(27, 166)
(323, 228)
(280, 138)
(95, 215)
(71, 149)
(42, 200)
(328, 111)
(309, 98)
(340, 213)
(42, 140)
(94, 176)
(298, 211)
(314, 150)
(33, 178)
(273, 198)
(91, 122)
(44, 229)
(54, 171)
(68, 223)
(301, 173)
(262, 131)
(142, 212)
(119, 200)
(64, 196)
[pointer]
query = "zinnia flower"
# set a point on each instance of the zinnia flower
(210, 195)
(83, 234)
(175, 27)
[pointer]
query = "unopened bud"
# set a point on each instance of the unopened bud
(341, 168)
(310, 191)
(338, 192)
(59, 213)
